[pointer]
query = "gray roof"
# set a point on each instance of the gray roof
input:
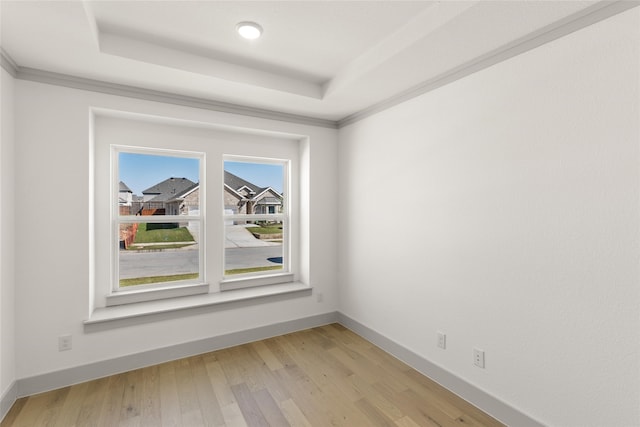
(169, 188)
(184, 192)
(237, 183)
(174, 188)
(124, 188)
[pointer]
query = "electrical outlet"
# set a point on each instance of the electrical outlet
(64, 342)
(442, 340)
(478, 358)
(319, 297)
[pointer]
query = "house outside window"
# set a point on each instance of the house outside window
(203, 203)
(256, 222)
(158, 235)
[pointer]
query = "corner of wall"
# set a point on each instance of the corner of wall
(7, 399)
(7, 276)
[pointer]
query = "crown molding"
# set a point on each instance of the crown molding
(75, 82)
(591, 15)
(82, 83)
(8, 63)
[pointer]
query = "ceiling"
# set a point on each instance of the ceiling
(328, 60)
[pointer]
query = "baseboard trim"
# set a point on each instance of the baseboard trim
(63, 378)
(7, 399)
(479, 398)
(66, 377)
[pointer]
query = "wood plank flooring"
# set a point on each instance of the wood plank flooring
(325, 376)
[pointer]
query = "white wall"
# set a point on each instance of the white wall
(7, 283)
(52, 246)
(503, 209)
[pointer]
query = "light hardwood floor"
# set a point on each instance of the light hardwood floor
(325, 376)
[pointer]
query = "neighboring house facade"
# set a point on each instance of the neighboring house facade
(161, 198)
(244, 197)
(181, 196)
(186, 202)
(125, 195)
(167, 189)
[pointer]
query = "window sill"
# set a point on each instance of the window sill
(138, 296)
(250, 282)
(134, 311)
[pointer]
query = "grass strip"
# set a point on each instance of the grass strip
(143, 246)
(266, 230)
(157, 279)
(251, 269)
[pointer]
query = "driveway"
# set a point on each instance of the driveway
(239, 237)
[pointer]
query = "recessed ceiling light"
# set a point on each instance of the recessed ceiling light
(249, 30)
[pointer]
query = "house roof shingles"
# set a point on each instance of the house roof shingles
(173, 188)
(169, 188)
(123, 188)
(184, 192)
(237, 183)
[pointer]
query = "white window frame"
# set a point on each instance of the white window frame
(247, 280)
(162, 290)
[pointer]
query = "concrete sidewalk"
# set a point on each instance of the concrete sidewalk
(239, 237)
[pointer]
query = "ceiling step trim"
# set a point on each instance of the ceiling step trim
(81, 83)
(8, 63)
(596, 13)
(591, 15)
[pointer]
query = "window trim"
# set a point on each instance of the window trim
(156, 291)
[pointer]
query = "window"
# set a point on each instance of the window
(164, 215)
(256, 222)
(158, 221)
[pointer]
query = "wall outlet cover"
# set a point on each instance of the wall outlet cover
(442, 340)
(478, 358)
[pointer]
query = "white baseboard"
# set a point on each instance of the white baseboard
(479, 398)
(53, 380)
(7, 399)
(66, 377)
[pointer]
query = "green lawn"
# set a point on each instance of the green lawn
(157, 247)
(251, 269)
(270, 229)
(157, 279)
(153, 233)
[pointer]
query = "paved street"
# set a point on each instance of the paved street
(253, 257)
(158, 263)
(242, 250)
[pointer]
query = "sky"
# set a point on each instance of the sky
(262, 175)
(141, 171)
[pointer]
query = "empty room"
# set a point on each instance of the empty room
(320, 213)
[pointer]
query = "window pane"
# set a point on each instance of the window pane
(252, 188)
(253, 248)
(157, 253)
(152, 184)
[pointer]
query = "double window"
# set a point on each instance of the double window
(161, 226)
